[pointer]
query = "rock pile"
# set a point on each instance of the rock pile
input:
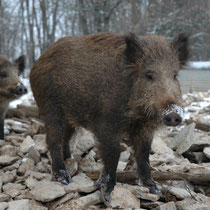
(180, 161)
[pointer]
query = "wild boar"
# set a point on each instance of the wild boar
(10, 86)
(110, 84)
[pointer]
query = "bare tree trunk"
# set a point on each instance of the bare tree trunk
(30, 18)
(83, 17)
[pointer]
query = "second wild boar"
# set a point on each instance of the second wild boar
(10, 86)
(110, 84)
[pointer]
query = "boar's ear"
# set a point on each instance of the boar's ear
(133, 49)
(21, 63)
(181, 44)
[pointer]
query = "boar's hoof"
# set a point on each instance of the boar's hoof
(154, 189)
(105, 193)
(150, 184)
(106, 188)
(63, 177)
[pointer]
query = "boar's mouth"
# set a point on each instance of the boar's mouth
(173, 115)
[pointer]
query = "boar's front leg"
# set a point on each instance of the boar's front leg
(1, 128)
(2, 117)
(141, 139)
(110, 150)
(55, 135)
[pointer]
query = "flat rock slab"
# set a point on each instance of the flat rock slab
(25, 204)
(141, 192)
(81, 142)
(8, 176)
(46, 191)
(202, 140)
(191, 204)
(180, 193)
(26, 165)
(184, 139)
(6, 160)
(26, 144)
(167, 206)
(206, 152)
(8, 150)
(3, 205)
(80, 183)
(4, 197)
(123, 198)
(82, 202)
(13, 189)
(40, 143)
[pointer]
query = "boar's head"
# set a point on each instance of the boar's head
(156, 93)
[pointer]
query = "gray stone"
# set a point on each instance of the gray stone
(13, 166)
(46, 191)
(82, 202)
(89, 164)
(43, 167)
(81, 142)
(64, 199)
(4, 197)
(191, 204)
(6, 160)
(25, 204)
(13, 189)
(34, 154)
(185, 138)
(19, 205)
(40, 143)
(3, 205)
(8, 176)
(31, 182)
(202, 140)
(121, 166)
(27, 164)
(141, 192)
(19, 129)
(206, 152)
(8, 150)
(167, 206)
(80, 183)
(39, 176)
(124, 156)
(123, 198)
(26, 144)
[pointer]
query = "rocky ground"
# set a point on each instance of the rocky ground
(180, 164)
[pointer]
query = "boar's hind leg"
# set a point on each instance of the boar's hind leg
(55, 144)
(68, 132)
(141, 141)
(110, 150)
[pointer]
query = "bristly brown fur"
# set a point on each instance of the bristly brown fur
(101, 82)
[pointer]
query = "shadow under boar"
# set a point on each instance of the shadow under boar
(110, 84)
(10, 86)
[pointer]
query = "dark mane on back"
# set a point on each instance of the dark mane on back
(107, 42)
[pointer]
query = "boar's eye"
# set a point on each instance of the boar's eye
(3, 74)
(175, 76)
(149, 75)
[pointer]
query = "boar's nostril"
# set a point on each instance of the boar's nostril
(172, 119)
(21, 90)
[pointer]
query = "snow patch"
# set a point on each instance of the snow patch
(199, 64)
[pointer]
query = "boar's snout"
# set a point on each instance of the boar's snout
(172, 119)
(20, 89)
